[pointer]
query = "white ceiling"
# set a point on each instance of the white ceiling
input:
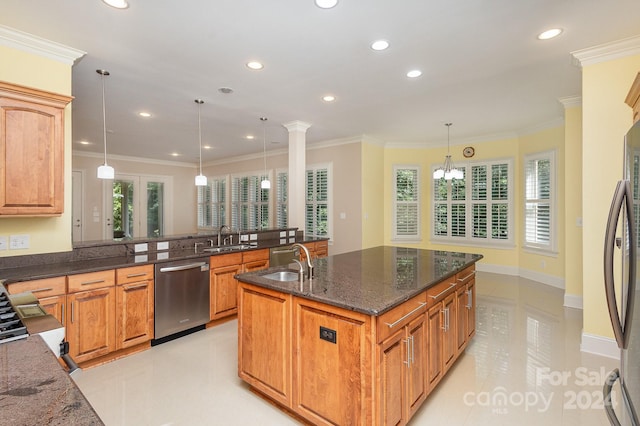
(483, 68)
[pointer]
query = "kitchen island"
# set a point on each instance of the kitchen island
(364, 341)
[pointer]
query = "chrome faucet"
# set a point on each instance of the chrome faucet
(195, 246)
(306, 252)
(220, 242)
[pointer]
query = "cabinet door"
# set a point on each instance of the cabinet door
(322, 249)
(134, 313)
(434, 363)
(393, 366)
(55, 305)
(91, 323)
(31, 151)
(449, 331)
(461, 319)
(417, 388)
(471, 309)
(264, 341)
(224, 289)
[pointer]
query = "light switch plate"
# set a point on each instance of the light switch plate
(17, 242)
(141, 247)
(163, 245)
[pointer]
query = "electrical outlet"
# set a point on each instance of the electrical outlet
(163, 245)
(141, 247)
(329, 335)
(17, 242)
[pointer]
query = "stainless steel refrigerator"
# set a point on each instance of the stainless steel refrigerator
(623, 230)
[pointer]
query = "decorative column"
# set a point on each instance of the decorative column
(296, 178)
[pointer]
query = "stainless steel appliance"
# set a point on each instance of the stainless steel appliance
(625, 211)
(283, 256)
(181, 298)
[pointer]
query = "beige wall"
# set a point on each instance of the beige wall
(606, 119)
(573, 201)
(373, 210)
(47, 235)
(184, 191)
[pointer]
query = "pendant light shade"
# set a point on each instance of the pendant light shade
(265, 184)
(105, 171)
(201, 180)
(448, 169)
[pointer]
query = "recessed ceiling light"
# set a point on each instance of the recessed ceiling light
(328, 98)
(326, 4)
(84, 143)
(254, 65)
(250, 137)
(225, 90)
(144, 114)
(414, 73)
(546, 35)
(118, 4)
(175, 154)
(206, 146)
(380, 45)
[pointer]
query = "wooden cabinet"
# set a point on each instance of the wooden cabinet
(223, 285)
(51, 294)
(466, 307)
(264, 341)
(31, 151)
(633, 98)
(332, 364)
(402, 361)
(91, 315)
(134, 306)
(316, 249)
(255, 260)
(441, 330)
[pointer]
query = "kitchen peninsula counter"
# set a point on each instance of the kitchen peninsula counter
(364, 341)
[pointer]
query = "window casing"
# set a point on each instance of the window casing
(406, 203)
(477, 209)
(539, 202)
(212, 203)
(249, 202)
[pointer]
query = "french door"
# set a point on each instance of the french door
(138, 206)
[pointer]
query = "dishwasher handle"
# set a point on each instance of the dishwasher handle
(183, 267)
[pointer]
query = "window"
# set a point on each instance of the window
(317, 207)
(281, 199)
(475, 209)
(211, 203)
(539, 170)
(406, 203)
(249, 203)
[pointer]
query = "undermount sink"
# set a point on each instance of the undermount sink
(221, 249)
(282, 276)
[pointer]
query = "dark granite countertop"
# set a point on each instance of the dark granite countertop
(371, 281)
(36, 390)
(49, 270)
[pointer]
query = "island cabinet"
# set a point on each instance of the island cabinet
(31, 151)
(332, 364)
(465, 307)
(134, 306)
(441, 330)
(91, 315)
(264, 341)
(51, 294)
(402, 360)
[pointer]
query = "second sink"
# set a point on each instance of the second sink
(282, 276)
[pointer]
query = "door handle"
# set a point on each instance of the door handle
(183, 267)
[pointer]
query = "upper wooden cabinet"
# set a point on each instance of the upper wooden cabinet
(633, 98)
(31, 151)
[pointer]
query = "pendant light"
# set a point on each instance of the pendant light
(201, 180)
(448, 170)
(265, 184)
(105, 171)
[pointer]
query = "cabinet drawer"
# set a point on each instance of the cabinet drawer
(466, 275)
(134, 274)
(225, 260)
(393, 320)
(440, 290)
(40, 288)
(90, 281)
(253, 255)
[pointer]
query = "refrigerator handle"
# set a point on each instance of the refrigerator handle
(609, 244)
(606, 391)
(631, 285)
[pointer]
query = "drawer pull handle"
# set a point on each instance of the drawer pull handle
(398, 321)
(443, 291)
(141, 274)
(133, 287)
(463, 279)
(40, 290)
(91, 282)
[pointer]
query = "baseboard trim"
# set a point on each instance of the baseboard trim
(572, 301)
(598, 345)
(552, 280)
(496, 269)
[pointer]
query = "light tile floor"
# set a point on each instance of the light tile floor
(524, 367)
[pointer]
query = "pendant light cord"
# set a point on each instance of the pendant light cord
(200, 135)
(264, 145)
(104, 117)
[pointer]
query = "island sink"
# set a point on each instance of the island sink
(282, 276)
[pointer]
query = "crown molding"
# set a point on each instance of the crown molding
(608, 51)
(143, 160)
(556, 122)
(571, 101)
(29, 43)
(457, 142)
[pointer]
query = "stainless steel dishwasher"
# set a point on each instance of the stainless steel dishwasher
(181, 298)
